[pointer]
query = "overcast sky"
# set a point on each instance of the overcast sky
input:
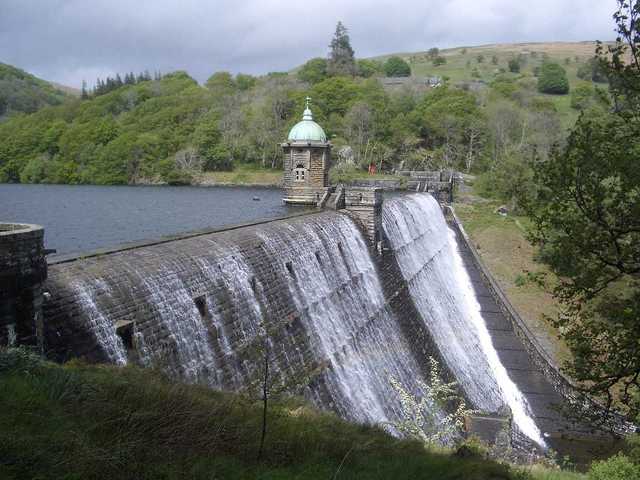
(70, 40)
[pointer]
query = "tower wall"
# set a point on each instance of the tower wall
(316, 160)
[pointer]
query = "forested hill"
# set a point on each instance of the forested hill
(22, 92)
(496, 110)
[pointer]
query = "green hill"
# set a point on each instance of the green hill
(488, 116)
(91, 422)
(24, 93)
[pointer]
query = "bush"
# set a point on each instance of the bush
(369, 68)
(514, 65)
(439, 61)
(396, 67)
(553, 79)
(618, 467)
(581, 97)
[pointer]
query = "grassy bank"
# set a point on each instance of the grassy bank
(502, 244)
(83, 422)
(241, 175)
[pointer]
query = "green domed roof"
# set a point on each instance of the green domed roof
(307, 130)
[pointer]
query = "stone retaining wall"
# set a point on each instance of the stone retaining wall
(22, 270)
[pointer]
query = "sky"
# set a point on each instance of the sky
(68, 41)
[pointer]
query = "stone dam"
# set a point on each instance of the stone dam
(339, 317)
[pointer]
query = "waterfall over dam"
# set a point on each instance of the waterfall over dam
(335, 322)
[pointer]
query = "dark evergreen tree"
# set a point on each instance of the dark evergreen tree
(84, 95)
(341, 57)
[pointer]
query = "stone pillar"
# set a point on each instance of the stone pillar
(23, 269)
(364, 204)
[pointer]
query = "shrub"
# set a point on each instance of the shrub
(553, 79)
(514, 65)
(618, 467)
(439, 61)
(396, 67)
(581, 97)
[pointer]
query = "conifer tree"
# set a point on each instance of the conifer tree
(341, 57)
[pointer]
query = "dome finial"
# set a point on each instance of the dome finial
(307, 115)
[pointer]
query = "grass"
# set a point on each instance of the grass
(81, 421)
(242, 175)
(502, 244)
(462, 61)
(349, 176)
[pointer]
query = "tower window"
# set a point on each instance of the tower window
(299, 173)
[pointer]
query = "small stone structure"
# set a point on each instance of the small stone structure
(307, 158)
(23, 270)
(364, 204)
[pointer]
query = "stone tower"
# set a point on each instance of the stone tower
(307, 157)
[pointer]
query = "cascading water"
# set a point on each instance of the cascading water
(427, 253)
(306, 291)
(201, 307)
(334, 283)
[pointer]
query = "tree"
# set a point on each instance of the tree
(221, 83)
(480, 58)
(314, 71)
(245, 82)
(341, 56)
(592, 71)
(369, 68)
(396, 67)
(553, 79)
(587, 224)
(494, 60)
(621, 62)
(433, 53)
(514, 65)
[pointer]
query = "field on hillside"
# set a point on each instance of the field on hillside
(464, 65)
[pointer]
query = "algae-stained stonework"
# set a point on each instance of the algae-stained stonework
(307, 158)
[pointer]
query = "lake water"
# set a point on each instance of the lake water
(79, 218)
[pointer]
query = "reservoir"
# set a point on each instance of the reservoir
(80, 218)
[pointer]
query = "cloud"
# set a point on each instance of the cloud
(70, 40)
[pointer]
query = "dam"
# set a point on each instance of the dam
(338, 319)
(349, 304)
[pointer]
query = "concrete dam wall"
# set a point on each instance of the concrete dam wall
(337, 321)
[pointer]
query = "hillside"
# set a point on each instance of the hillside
(22, 92)
(172, 130)
(478, 66)
(81, 421)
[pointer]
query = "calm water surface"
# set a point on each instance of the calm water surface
(79, 218)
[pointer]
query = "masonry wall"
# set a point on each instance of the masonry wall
(22, 270)
(316, 160)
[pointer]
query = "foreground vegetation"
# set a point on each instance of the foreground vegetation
(83, 421)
